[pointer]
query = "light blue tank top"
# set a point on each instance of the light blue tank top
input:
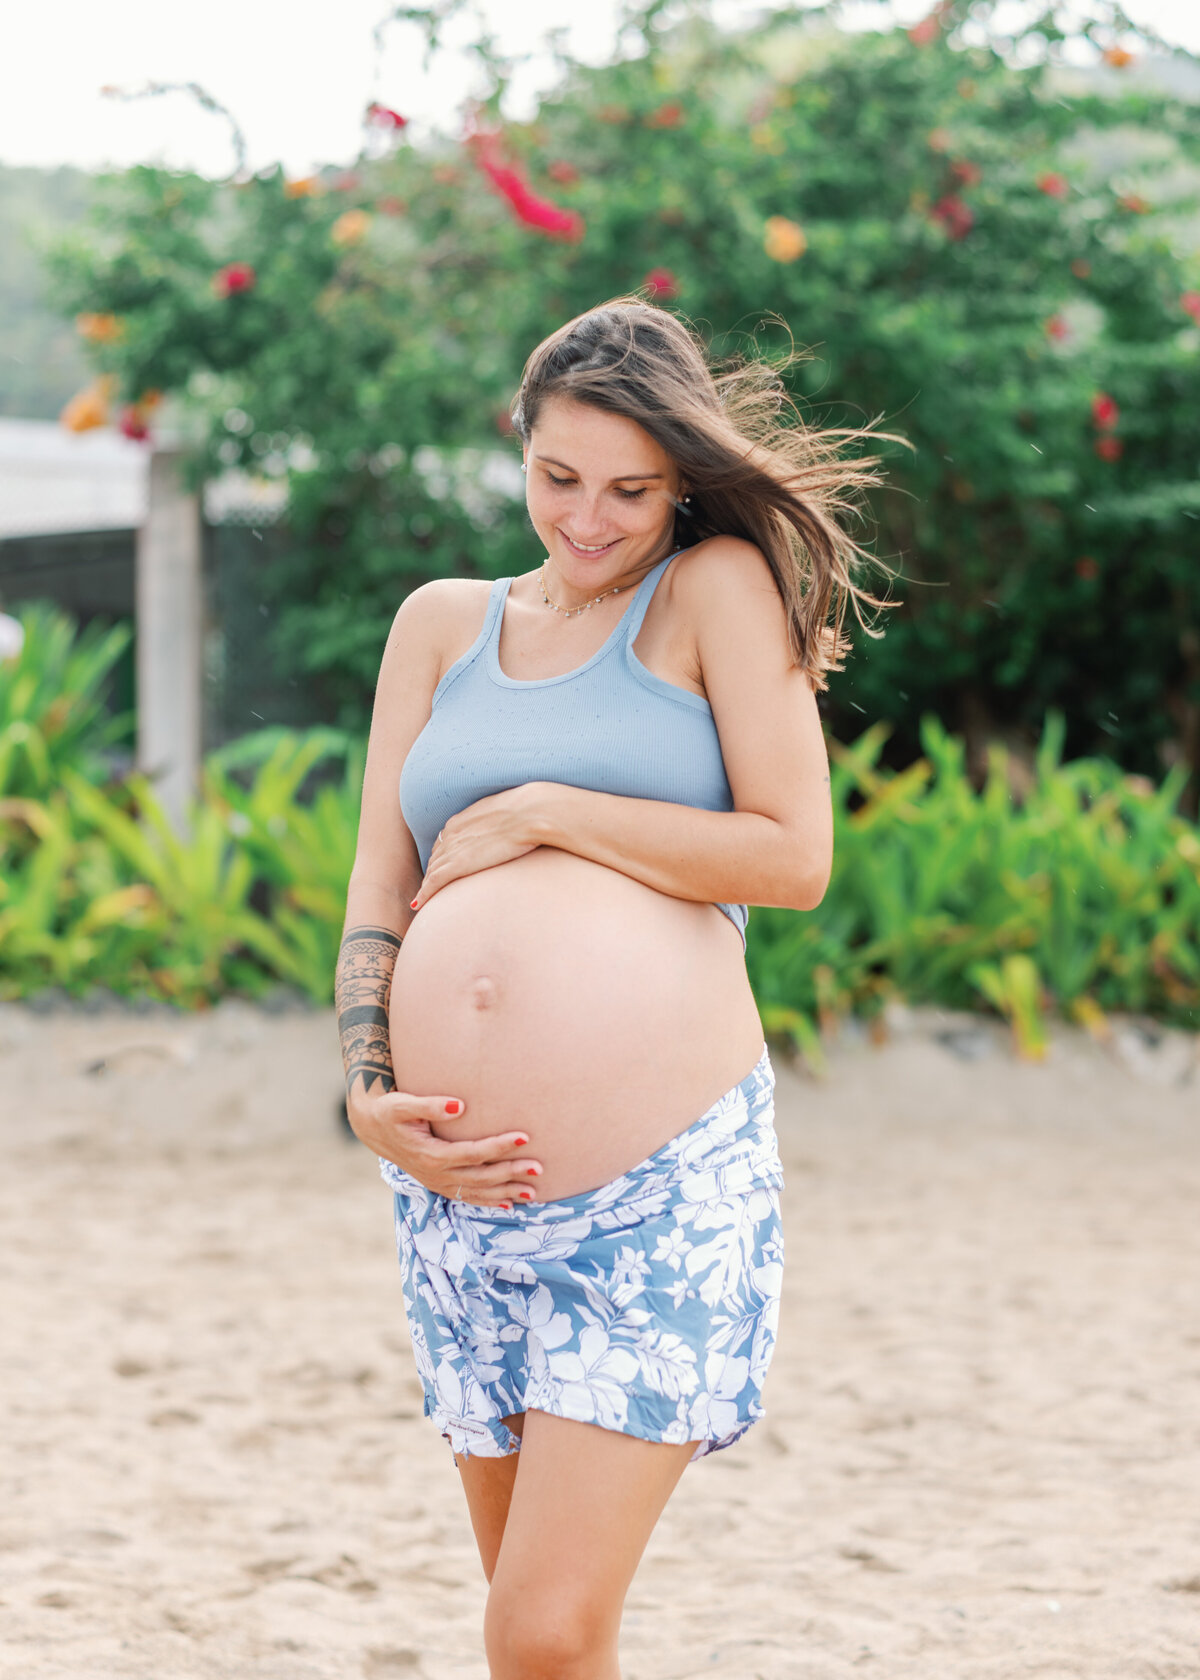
(610, 725)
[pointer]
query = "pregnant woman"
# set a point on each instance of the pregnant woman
(549, 1036)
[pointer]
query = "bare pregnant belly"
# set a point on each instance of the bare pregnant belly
(561, 997)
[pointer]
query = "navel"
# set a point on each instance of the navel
(483, 992)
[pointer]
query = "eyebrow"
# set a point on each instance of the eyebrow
(619, 479)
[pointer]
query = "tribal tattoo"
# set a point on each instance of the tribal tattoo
(362, 988)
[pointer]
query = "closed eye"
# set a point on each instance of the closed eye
(629, 495)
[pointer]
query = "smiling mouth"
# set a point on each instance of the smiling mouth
(584, 548)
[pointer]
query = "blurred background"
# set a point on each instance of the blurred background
(266, 288)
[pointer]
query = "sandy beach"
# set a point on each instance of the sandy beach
(981, 1458)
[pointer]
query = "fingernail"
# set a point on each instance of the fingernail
(507, 1205)
(525, 1195)
(453, 1106)
(521, 1142)
(413, 905)
(533, 1170)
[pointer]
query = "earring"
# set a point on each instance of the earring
(524, 466)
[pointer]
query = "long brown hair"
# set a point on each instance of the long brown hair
(753, 468)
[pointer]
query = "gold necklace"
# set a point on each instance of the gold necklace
(572, 612)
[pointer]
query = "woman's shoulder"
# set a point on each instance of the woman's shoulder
(442, 618)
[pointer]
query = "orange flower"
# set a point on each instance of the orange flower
(940, 139)
(90, 407)
(1134, 202)
(969, 174)
(350, 228)
(1081, 268)
(612, 114)
(306, 186)
(1054, 186)
(390, 205)
(669, 115)
(783, 241)
(966, 88)
(1118, 57)
(99, 329)
(1109, 448)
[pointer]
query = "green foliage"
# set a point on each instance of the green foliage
(52, 711)
(1082, 898)
(943, 285)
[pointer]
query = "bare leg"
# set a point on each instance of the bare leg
(488, 1485)
(583, 1504)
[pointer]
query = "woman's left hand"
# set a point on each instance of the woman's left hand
(491, 831)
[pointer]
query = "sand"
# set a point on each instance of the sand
(982, 1451)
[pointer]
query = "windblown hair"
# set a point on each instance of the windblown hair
(752, 466)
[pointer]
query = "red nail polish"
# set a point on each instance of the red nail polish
(507, 1205)
(453, 1106)
(525, 1195)
(533, 1171)
(413, 905)
(521, 1142)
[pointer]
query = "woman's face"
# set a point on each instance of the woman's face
(601, 494)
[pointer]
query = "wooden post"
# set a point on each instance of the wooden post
(170, 629)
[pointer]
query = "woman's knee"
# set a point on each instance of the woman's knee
(529, 1637)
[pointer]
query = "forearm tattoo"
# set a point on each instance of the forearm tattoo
(362, 987)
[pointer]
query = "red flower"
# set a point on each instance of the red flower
(969, 174)
(1056, 327)
(1081, 268)
(667, 116)
(1054, 186)
(1133, 202)
(956, 217)
(1086, 567)
(234, 277)
(132, 424)
(382, 117)
(1189, 302)
(929, 28)
(528, 208)
(662, 283)
(562, 171)
(390, 205)
(1104, 411)
(1109, 448)
(347, 182)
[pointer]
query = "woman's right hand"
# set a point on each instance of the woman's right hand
(489, 1171)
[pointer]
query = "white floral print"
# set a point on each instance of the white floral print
(648, 1306)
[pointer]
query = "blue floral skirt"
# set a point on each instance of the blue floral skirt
(648, 1306)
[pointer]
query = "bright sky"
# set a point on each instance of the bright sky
(297, 77)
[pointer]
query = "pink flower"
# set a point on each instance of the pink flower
(1054, 186)
(1056, 327)
(563, 172)
(1109, 448)
(528, 208)
(132, 424)
(383, 117)
(956, 217)
(234, 277)
(1104, 411)
(661, 283)
(969, 174)
(1189, 302)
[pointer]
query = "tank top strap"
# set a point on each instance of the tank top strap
(645, 593)
(497, 595)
